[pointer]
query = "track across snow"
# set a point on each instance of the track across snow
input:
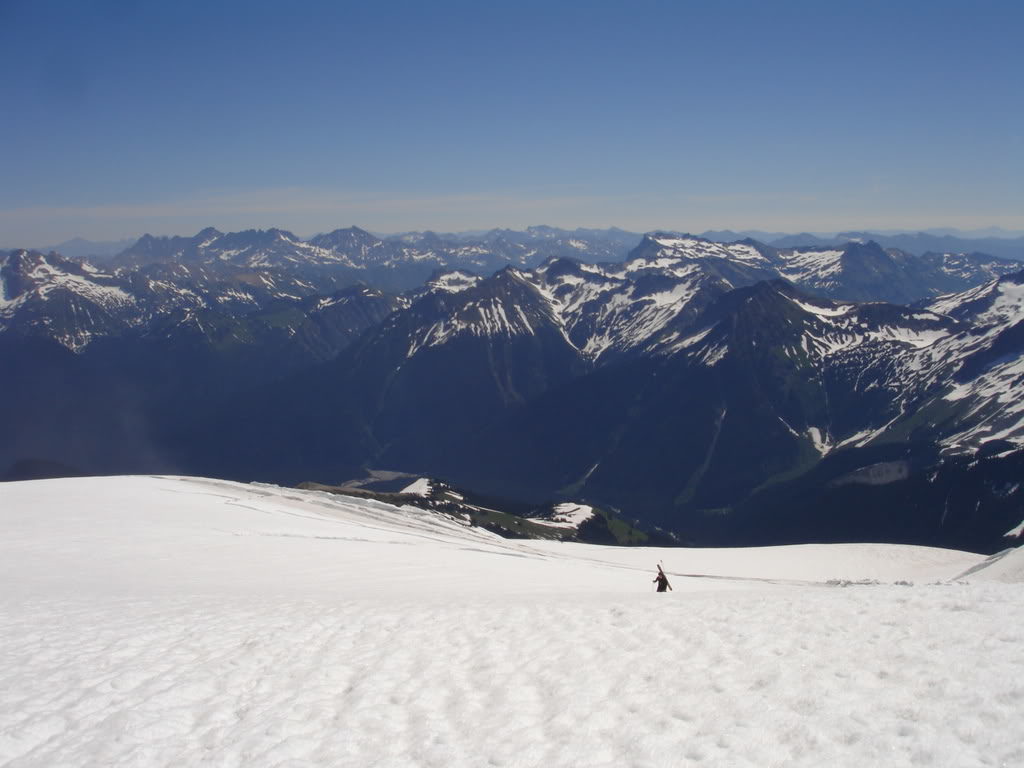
(179, 621)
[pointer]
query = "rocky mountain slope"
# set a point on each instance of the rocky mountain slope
(692, 384)
(673, 395)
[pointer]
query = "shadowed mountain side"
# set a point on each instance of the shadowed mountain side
(896, 493)
(378, 402)
(662, 439)
(62, 408)
(681, 440)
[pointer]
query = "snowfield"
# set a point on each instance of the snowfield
(163, 621)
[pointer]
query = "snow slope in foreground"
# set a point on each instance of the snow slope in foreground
(179, 621)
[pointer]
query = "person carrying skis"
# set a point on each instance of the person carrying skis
(662, 579)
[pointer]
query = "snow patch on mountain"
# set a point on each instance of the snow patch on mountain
(817, 268)
(677, 296)
(1007, 306)
(45, 278)
(711, 355)
(421, 487)
(675, 342)
(821, 441)
(999, 302)
(454, 282)
(694, 248)
(913, 337)
(994, 403)
(567, 515)
(484, 316)
(837, 310)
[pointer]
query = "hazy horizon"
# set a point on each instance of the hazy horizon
(127, 118)
(985, 233)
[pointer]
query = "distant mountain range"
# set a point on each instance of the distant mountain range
(617, 242)
(728, 235)
(731, 392)
(1006, 245)
(159, 283)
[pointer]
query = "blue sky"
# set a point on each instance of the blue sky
(124, 117)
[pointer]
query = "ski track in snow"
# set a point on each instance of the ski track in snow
(356, 652)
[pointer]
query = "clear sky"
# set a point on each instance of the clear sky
(121, 117)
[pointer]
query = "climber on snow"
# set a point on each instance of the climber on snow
(662, 580)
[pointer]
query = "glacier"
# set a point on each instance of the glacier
(164, 621)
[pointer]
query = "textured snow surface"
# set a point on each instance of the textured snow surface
(169, 622)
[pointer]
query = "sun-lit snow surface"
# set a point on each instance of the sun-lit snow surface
(170, 622)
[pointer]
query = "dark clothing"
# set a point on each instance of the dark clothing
(662, 580)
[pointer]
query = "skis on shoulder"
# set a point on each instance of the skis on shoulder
(663, 583)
